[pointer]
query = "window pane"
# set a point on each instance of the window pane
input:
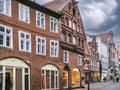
(27, 45)
(8, 31)
(22, 35)
(26, 82)
(1, 39)
(1, 80)
(7, 41)
(22, 44)
(27, 37)
(8, 7)
(52, 79)
(1, 5)
(47, 79)
(1, 29)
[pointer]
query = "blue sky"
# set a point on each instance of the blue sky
(99, 16)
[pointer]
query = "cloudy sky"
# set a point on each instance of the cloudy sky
(99, 16)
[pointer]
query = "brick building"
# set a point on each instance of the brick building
(72, 41)
(38, 49)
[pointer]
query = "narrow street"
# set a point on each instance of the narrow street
(109, 85)
(115, 86)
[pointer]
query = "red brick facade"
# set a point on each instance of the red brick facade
(35, 61)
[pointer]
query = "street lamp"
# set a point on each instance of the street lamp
(88, 78)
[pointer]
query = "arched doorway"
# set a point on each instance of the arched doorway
(49, 77)
(75, 77)
(14, 74)
(66, 76)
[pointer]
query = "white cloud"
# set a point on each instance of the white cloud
(95, 13)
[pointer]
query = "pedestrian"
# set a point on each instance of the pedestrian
(113, 80)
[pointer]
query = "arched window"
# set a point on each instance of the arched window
(49, 77)
(16, 71)
(75, 77)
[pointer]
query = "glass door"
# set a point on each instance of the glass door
(9, 78)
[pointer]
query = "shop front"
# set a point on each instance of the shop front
(14, 74)
(49, 77)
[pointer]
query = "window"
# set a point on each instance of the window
(53, 48)
(63, 36)
(66, 56)
(74, 25)
(74, 40)
(67, 21)
(53, 25)
(74, 12)
(69, 38)
(79, 60)
(24, 41)
(5, 7)
(70, 23)
(79, 42)
(6, 36)
(40, 19)
(24, 13)
(41, 45)
(49, 77)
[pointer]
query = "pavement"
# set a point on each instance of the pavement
(96, 86)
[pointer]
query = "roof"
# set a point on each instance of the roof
(40, 8)
(57, 5)
(104, 37)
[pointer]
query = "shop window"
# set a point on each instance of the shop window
(49, 77)
(65, 79)
(75, 77)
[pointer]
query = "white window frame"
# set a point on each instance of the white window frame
(80, 60)
(41, 16)
(56, 48)
(5, 35)
(25, 12)
(41, 44)
(6, 7)
(55, 22)
(66, 56)
(24, 40)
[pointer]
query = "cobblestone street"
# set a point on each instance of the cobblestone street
(109, 85)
